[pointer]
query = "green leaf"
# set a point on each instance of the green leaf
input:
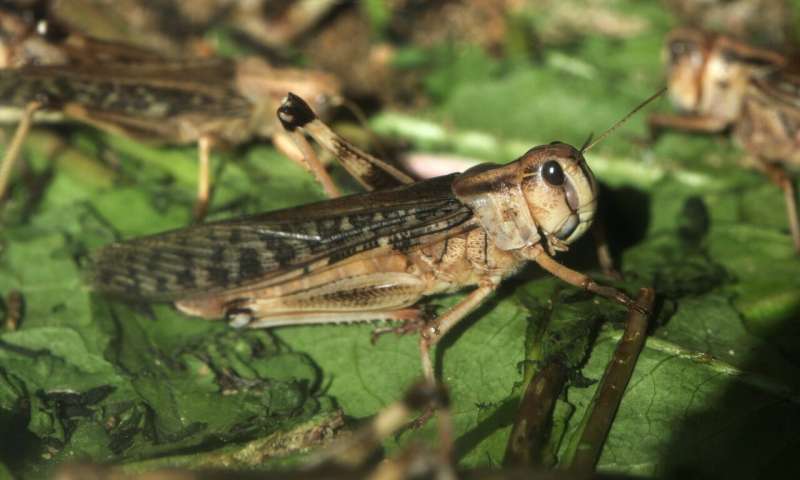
(715, 393)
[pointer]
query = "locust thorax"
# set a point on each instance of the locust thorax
(708, 74)
(548, 192)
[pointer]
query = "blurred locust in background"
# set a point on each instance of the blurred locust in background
(722, 84)
(150, 98)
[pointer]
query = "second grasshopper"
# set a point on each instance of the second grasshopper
(721, 84)
(204, 102)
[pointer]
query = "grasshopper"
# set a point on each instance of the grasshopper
(369, 256)
(201, 101)
(723, 84)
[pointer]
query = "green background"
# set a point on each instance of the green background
(715, 392)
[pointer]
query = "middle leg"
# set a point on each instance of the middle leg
(780, 177)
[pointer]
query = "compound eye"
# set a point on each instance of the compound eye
(51, 32)
(553, 173)
(678, 49)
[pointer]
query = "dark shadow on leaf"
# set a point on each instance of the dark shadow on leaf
(750, 428)
(747, 433)
(503, 416)
(625, 213)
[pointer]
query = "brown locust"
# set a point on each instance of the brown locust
(722, 84)
(156, 100)
(373, 255)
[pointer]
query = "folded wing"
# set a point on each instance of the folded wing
(232, 254)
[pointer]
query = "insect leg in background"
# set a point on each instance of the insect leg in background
(12, 150)
(14, 306)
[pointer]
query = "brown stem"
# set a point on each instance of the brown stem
(612, 386)
(15, 308)
(532, 426)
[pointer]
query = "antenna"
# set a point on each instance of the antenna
(589, 143)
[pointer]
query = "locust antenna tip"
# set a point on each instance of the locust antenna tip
(294, 112)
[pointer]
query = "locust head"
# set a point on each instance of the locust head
(708, 74)
(686, 53)
(547, 193)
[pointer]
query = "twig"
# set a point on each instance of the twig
(15, 309)
(772, 386)
(532, 426)
(612, 387)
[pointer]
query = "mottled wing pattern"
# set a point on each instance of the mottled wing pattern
(780, 86)
(154, 90)
(772, 116)
(231, 254)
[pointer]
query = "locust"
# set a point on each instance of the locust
(156, 100)
(373, 255)
(721, 84)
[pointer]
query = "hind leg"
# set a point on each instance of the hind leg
(13, 150)
(780, 177)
